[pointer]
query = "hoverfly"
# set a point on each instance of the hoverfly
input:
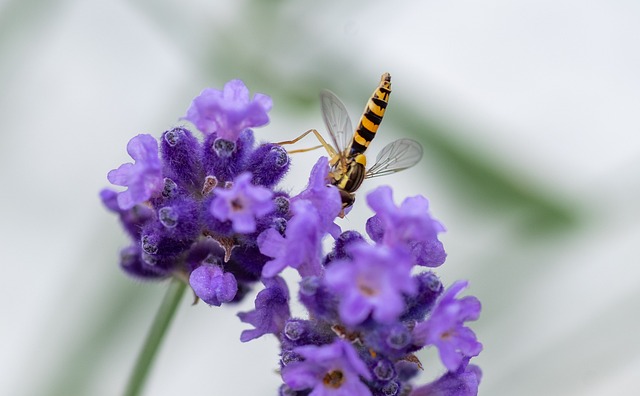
(348, 162)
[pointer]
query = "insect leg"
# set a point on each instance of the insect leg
(323, 143)
(304, 150)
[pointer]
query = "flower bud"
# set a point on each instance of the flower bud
(225, 159)
(178, 147)
(131, 263)
(384, 370)
(269, 163)
(213, 285)
(293, 330)
(418, 305)
(168, 217)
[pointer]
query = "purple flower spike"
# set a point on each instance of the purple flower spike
(144, 178)
(330, 370)
(373, 283)
(464, 382)
(209, 209)
(445, 327)
(242, 204)
(301, 246)
(272, 310)
(325, 198)
(213, 285)
(229, 111)
(409, 226)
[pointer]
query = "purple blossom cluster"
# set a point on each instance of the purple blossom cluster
(194, 208)
(369, 311)
(209, 212)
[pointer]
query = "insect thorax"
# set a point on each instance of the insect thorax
(352, 178)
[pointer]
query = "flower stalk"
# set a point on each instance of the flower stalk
(156, 334)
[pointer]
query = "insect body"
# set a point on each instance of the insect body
(348, 161)
(372, 116)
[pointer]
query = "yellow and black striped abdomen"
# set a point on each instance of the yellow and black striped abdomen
(372, 116)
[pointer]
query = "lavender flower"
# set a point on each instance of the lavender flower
(242, 204)
(229, 111)
(300, 248)
(314, 211)
(329, 370)
(194, 208)
(373, 282)
(272, 310)
(208, 211)
(364, 296)
(324, 197)
(445, 328)
(409, 226)
(144, 178)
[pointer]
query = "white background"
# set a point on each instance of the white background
(546, 92)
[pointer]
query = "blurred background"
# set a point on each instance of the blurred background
(527, 112)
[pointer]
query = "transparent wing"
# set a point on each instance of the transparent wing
(337, 120)
(396, 156)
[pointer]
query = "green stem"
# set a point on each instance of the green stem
(154, 338)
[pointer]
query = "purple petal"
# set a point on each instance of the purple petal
(445, 327)
(242, 204)
(462, 383)
(120, 176)
(375, 281)
(271, 310)
(324, 197)
(301, 248)
(320, 361)
(408, 226)
(271, 242)
(228, 112)
(144, 178)
(354, 309)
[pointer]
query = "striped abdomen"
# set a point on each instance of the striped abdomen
(372, 116)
